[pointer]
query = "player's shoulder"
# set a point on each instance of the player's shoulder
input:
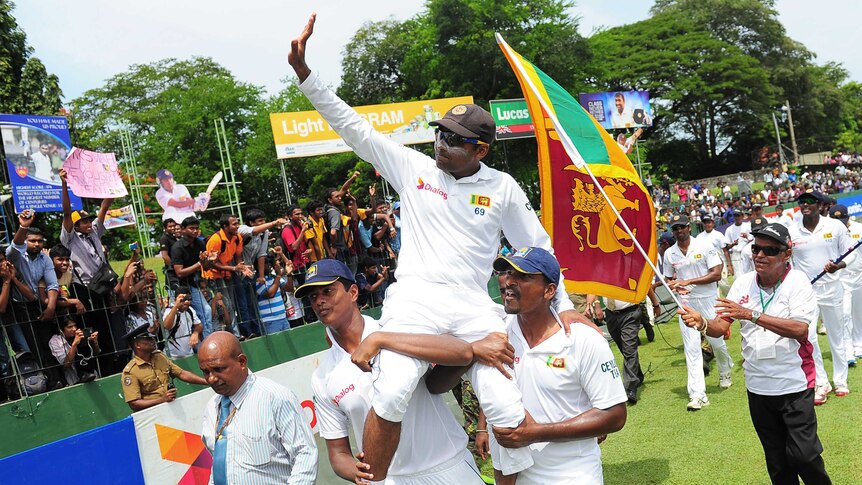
(273, 389)
(796, 278)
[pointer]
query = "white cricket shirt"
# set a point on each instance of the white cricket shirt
(450, 229)
(430, 435)
(715, 238)
(791, 368)
(734, 232)
(813, 249)
(851, 276)
(561, 378)
(695, 263)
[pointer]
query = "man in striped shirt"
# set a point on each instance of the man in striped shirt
(255, 428)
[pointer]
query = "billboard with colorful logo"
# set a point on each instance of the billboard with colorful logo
(36, 147)
(512, 118)
(619, 109)
(306, 133)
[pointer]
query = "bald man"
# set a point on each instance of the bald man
(254, 428)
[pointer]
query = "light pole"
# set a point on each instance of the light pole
(786, 108)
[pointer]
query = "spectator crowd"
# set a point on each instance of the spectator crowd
(68, 318)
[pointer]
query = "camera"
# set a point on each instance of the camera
(87, 332)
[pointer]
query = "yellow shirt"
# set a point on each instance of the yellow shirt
(316, 234)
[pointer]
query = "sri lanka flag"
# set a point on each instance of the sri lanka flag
(596, 252)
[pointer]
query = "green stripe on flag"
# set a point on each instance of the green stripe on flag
(575, 121)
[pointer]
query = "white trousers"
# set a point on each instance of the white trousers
(853, 321)
(415, 306)
(833, 320)
(460, 469)
(691, 345)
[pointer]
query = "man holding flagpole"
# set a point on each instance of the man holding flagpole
(454, 211)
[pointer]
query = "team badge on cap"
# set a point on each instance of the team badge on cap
(312, 271)
(459, 110)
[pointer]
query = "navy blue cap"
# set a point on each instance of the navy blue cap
(678, 220)
(813, 193)
(164, 174)
(142, 331)
(323, 273)
(758, 223)
(666, 237)
(530, 261)
(839, 211)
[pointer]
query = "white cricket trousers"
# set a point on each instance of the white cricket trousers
(416, 306)
(853, 320)
(691, 346)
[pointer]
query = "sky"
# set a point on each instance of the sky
(86, 42)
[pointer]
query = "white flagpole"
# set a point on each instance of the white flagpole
(580, 163)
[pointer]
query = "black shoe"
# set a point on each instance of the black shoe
(632, 396)
(87, 377)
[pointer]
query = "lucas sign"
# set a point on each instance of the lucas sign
(512, 118)
(306, 133)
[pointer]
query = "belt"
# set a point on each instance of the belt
(624, 310)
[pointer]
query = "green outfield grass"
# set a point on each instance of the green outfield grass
(664, 443)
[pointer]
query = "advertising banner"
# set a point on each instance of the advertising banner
(619, 109)
(35, 148)
(120, 217)
(94, 175)
(107, 454)
(169, 434)
(512, 118)
(306, 133)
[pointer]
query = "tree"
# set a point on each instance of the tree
(27, 88)
(707, 91)
(449, 50)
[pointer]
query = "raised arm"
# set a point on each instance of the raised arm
(66, 201)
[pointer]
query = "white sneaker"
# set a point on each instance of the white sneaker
(841, 391)
(820, 393)
(698, 403)
(724, 381)
(821, 329)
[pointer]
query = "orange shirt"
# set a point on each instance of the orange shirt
(232, 247)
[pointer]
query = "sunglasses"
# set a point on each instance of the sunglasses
(767, 250)
(453, 139)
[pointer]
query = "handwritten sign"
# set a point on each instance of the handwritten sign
(94, 175)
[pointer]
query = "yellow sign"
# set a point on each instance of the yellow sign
(306, 133)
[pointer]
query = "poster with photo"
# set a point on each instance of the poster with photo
(36, 147)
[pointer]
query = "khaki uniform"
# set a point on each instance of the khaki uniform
(142, 380)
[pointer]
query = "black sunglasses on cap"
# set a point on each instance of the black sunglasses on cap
(767, 250)
(453, 139)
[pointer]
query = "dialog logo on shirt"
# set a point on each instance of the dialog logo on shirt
(743, 300)
(421, 185)
(556, 362)
(480, 200)
(343, 393)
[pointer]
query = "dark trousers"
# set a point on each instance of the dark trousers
(623, 325)
(787, 428)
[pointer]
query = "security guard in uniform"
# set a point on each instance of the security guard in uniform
(147, 378)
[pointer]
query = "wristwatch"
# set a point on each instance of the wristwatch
(755, 315)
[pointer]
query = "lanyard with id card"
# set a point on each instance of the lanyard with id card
(764, 340)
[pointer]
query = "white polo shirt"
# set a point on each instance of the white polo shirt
(430, 435)
(450, 229)
(813, 249)
(695, 263)
(715, 238)
(561, 378)
(734, 232)
(851, 276)
(776, 365)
